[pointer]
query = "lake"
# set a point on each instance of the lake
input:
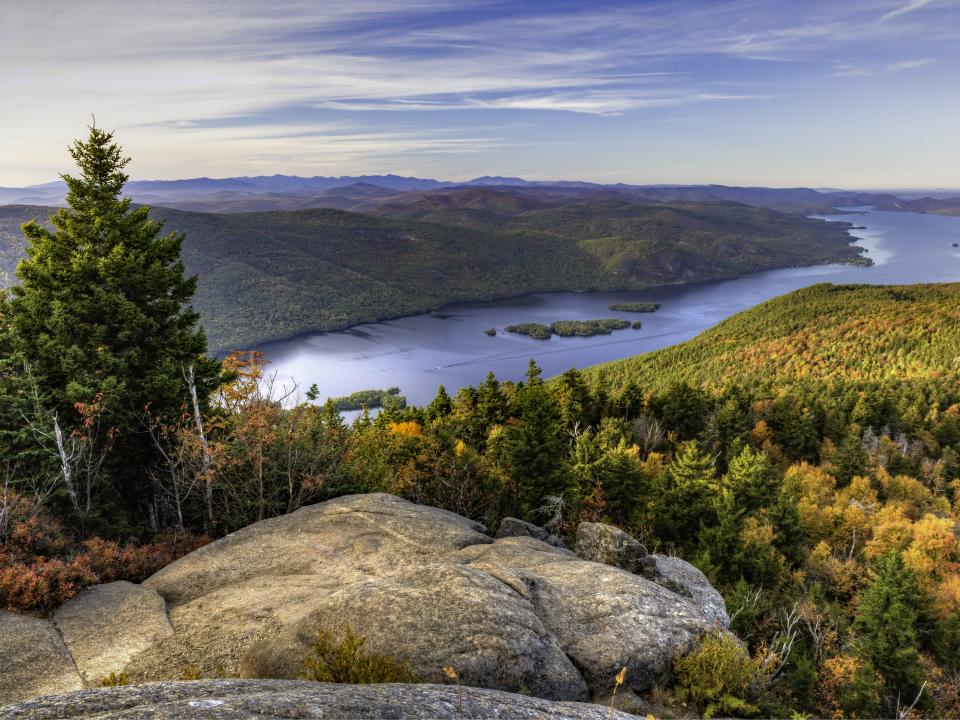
(419, 353)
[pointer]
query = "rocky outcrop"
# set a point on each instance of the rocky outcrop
(33, 659)
(423, 585)
(610, 545)
(684, 579)
(276, 699)
(431, 616)
(512, 527)
(106, 626)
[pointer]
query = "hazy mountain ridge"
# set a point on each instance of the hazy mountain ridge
(291, 192)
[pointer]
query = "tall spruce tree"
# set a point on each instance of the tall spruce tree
(886, 627)
(687, 493)
(533, 449)
(102, 310)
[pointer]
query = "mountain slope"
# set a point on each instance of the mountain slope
(824, 333)
(272, 275)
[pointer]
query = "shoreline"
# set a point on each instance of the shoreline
(439, 312)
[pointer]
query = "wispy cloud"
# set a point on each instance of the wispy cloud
(847, 70)
(907, 7)
(365, 81)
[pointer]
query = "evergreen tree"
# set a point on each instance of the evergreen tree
(886, 627)
(12, 388)
(851, 457)
(731, 420)
(492, 404)
(687, 496)
(532, 448)
(795, 427)
(683, 409)
(751, 479)
(789, 538)
(573, 399)
(440, 406)
(102, 309)
(629, 404)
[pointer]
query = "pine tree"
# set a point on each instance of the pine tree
(687, 496)
(492, 404)
(886, 627)
(102, 309)
(751, 478)
(12, 386)
(683, 409)
(440, 406)
(851, 458)
(532, 448)
(573, 398)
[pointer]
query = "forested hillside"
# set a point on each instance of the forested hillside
(827, 334)
(272, 275)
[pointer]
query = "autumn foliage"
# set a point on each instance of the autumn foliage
(43, 566)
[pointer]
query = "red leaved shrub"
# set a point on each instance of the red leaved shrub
(41, 566)
(42, 585)
(109, 561)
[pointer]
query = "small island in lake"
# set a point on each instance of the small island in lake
(490, 331)
(638, 307)
(586, 328)
(534, 330)
(370, 399)
(571, 328)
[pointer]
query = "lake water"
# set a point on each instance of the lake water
(421, 352)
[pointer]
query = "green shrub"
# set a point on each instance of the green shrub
(115, 680)
(717, 676)
(343, 660)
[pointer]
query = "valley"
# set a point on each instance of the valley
(270, 276)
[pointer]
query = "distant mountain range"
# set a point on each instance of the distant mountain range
(365, 193)
(144, 190)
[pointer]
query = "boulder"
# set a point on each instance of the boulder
(105, 626)
(610, 545)
(291, 700)
(432, 616)
(607, 618)
(34, 659)
(423, 585)
(684, 579)
(512, 527)
(357, 534)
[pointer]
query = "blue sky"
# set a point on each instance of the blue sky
(846, 93)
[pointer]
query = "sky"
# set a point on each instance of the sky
(840, 93)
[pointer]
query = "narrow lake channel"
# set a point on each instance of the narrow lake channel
(421, 352)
